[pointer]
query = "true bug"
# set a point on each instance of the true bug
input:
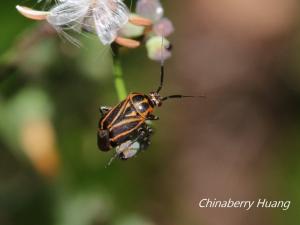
(124, 125)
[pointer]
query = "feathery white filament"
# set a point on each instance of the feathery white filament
(109, 16)
(104, 17)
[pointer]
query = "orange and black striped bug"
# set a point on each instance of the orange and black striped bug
(124, 126)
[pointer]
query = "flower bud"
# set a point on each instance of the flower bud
(164, 27)
(157, 48)
(151, 9)
(130, 30)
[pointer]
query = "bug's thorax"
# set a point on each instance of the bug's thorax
(142, 104)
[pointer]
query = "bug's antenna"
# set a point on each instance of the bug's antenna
(182, 96)
(162, 68)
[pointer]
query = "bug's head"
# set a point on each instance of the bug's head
(155, 99)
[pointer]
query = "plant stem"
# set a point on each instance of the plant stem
(118, 76)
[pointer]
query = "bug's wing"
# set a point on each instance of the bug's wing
(109, 16)
(68, 13)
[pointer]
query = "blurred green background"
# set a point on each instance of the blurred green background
(242, 142)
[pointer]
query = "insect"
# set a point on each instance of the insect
(124, 125)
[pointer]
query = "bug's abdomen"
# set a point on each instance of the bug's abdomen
(113, 114)
(126, 129)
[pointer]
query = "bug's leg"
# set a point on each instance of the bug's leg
(152, 117)
(149, 129)
(104, 109)
(144, 137)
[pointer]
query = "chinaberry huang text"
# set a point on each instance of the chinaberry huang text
(244, 204)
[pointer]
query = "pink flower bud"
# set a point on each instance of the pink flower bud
(164, 27)
(151, 9)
